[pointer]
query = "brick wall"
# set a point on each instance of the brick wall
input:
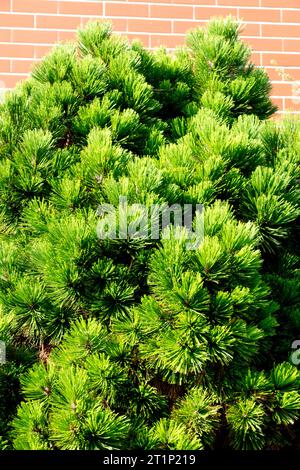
(28, 28)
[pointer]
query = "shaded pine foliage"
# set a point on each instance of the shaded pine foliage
(136, 343)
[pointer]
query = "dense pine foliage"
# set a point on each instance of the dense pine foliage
(138, 343)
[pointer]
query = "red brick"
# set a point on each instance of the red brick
(66, 36)
(143, 38)
(4, 65)
(86, 19)
(182, 27)
(16, 50)
(182, 2)
(281, 60)
(260, 14)
(238, 3)
(282, 89)
(280, 30)
(203, 13)
(278, 102)
(126, 10)
(10, 81)
(264, 44)
(167, 41)
(5, 35)
(5, 5)
(291, 45)
(57, 22)
(119, 24)
(292, 104)
(274, 74)
(22, 66)
(291, 16)
(256, 58)
(35, 6)
(250, 29)
(294, 74)
(40, 51)
(171, 11)
(280, 3)
(34, 36)
(15, 21)
(80, 8)
(281, 73)
(151, 26)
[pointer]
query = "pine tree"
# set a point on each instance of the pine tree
(139, 343)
